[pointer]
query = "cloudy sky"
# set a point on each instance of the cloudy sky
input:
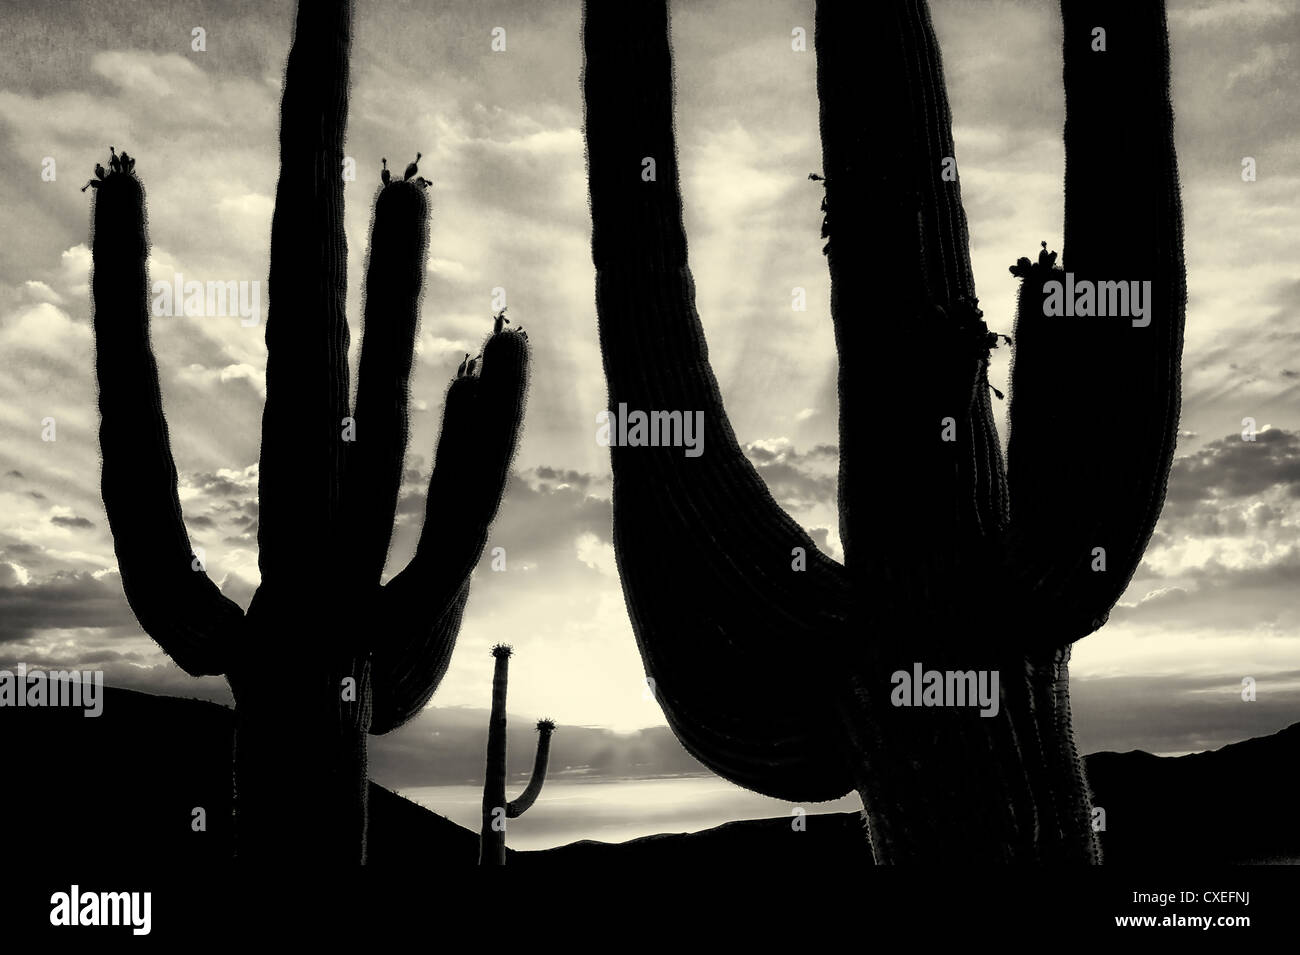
(1215, 600)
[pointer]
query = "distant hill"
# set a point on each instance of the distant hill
(131, 777)
(1235, 804)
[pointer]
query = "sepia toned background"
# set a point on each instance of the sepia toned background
(501, 133)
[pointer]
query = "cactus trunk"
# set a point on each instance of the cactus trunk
(300, 763)
(942, 784)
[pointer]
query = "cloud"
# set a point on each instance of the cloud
(43, 330)
(1267, 62)
(226, 482)
(1223, 561)
(13, 574)
(63, 601)
(796, 476)
(42, 293)
(1215, 14)
(804, 483)
(552, 521)
(212, 380)
(75, 522)
(596, 554)
(1232, 467)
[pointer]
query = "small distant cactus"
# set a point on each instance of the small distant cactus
(492, 842)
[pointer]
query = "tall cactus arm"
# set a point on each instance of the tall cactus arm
(394, 280)
(517, 807)
(901, 284)
(421, 606)
(171, 595)
(301, 474)
(705, 555)
(1095, 401)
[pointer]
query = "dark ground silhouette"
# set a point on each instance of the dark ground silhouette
(129, 779)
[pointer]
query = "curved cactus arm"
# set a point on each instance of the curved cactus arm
(1095, 400)
(166, 586)
(301, 474)
(517, 807)
(404, 677)
(901, 284)
(394, 281)
(421, 606)
(707, 558)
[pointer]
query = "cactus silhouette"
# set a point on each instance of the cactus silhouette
(492, 840)
(325, 654)
(775, 665)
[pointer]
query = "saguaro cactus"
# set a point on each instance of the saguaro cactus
(325, 654)
(778, 667)
(492, 839)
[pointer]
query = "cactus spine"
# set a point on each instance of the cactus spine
(780, 678)
(492, 840)
(325, 654)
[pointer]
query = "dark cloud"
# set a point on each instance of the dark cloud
(1283, 570)
(247, 510)
(77, 522)
(411, 502)
(62, 602)
(540, 522)
(570, 477)
(544, 511)
(218, 486)
(1233, 467)
(1230, 600)
(797, 480)
(111, 656)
